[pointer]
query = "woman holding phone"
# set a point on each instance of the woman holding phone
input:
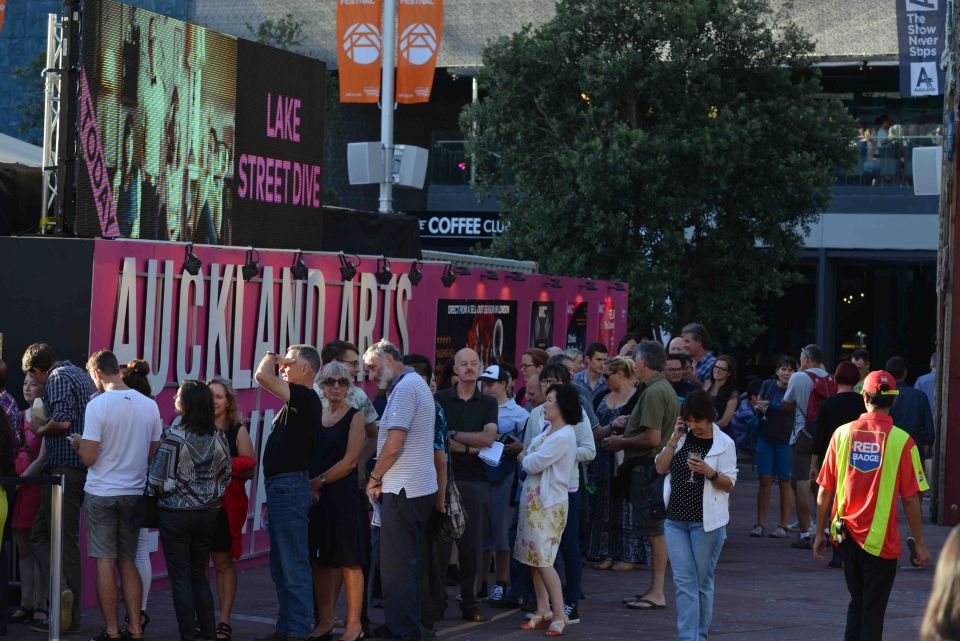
(700, 462)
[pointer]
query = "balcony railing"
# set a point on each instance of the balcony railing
(887, 160)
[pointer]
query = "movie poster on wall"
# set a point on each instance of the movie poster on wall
(487, 326)
(576, 336)
(607, 327)
(541, 324)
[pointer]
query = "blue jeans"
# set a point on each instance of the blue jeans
(288, 503)
(693, 557)
(569, 551)
(521, 582)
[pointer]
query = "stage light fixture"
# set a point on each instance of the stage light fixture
(298, 269)
(490, 274)
(555, 283)
(449, 276)
(191, 264)
(416, 273)
(618, 287)
(347, 269)
(251, 266)
(589, 285)
(516, 276)
(383, 274)
(463, 270)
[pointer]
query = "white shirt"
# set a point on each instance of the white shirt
(554, 462)
(124, 423)
(716, 502)
(586, 448)
(410, 408)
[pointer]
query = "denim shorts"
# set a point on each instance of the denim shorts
(111, 531)
(774, 459)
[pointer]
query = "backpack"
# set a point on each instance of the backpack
(823, 388)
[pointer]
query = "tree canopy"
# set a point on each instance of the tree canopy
(683, 147)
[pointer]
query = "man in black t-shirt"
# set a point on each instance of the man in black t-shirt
(288, 486)
(471, 426)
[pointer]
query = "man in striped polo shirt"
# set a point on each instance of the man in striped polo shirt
(405, 483)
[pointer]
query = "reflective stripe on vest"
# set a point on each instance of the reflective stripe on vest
(893, 446)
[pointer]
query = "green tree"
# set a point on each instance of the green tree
(285, 33)
(30, 105)
(683, 147)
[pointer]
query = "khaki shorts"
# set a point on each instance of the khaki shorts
(111, 533)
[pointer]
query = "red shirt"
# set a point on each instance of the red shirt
(868, 438)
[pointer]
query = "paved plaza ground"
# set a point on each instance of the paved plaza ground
(765, 591)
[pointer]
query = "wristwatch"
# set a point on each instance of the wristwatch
(715, 476)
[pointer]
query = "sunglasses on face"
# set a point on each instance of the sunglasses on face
(336, 382)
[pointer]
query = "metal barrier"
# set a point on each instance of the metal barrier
(56, 484)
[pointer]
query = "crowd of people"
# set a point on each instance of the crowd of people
(505, 479)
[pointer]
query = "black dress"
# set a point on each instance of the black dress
(339, 526)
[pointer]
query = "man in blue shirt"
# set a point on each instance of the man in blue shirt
(697, 342)
(511, 419)
(928, 382)
(591, 376)
(911, 412)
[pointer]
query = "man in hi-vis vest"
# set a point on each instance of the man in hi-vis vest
(869, 464)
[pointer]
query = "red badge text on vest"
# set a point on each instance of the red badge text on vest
(866, 450)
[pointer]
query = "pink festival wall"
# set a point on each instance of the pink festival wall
(216, 324)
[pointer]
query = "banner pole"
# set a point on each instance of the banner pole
(387, 103)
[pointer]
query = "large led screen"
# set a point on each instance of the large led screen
(188, 134)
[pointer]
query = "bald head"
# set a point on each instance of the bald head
(676, 346)
(466, 365)
(534, 392)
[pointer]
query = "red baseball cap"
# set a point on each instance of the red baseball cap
(880, 382)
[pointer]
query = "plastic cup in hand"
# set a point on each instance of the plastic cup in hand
(692, 456)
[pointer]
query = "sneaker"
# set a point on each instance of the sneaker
(572, 613)
(779, 532)
(803, 543)
(794, 527)
(44, 626)
(496, 593)
(757, 531)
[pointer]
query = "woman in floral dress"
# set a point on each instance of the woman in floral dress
(548, 462)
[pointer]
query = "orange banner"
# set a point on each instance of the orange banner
(358, 51)
(3, 11)
(420, 29)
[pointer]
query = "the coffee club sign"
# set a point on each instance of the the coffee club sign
(921, 36)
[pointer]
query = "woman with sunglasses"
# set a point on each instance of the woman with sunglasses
(722, 388)
(339, 528)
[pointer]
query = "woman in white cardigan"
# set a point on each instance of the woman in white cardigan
(700, 462)
(543, 504)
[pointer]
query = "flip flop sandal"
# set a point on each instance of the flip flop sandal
(224, 632)
(645, 604)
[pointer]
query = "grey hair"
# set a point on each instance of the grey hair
(381, 348)
(334, 369)
(698, 332)
(652, 353)
(310, 354)
(573, 352)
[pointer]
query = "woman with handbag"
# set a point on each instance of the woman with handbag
(339, 529)
(700, 462)
(33, 583)
(548, 462)
(773, 456)
(189, 475)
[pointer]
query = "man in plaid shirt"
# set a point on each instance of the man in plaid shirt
(68, 390)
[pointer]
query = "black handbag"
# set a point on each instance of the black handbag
(146, 514)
